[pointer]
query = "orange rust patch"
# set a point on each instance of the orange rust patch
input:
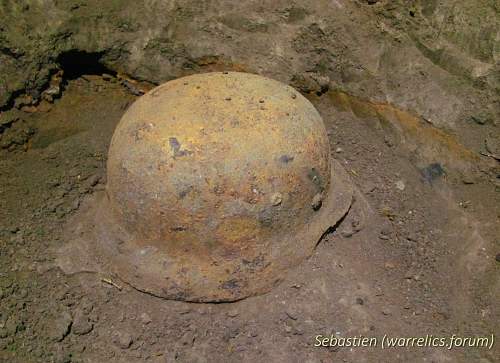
(418, 135)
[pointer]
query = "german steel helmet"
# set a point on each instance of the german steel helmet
(217, 184)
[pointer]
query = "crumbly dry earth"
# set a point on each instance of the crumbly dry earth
(409, 94)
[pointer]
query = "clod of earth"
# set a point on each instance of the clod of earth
(210, 200)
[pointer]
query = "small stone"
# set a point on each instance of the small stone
(317, 201)
(480, 119)
(386, 229)
(233, 313)
(132, 87)
(386, 312)
(291, 314)
(122, 340)
(359, 301)
(75, 204)
(14, 229)
(188, 338)
(357, 225)
(51, 93)
(185, 310)
(400, 185)
(276, 199)
(339, 150)
(145, 318)
(347, 232)
(432, 171)
(467, 179)
(497, 258)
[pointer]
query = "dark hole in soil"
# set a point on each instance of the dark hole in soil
(76, 63)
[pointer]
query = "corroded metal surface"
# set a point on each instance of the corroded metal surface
(217, 184)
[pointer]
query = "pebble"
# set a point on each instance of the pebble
(132, 88)
(467, 179)
(276, 199)
(14, 229)
(185, 310)
(356, 225)
(385, 230)
(145, 318)
(389, 265)
(291, 314)
(497, 257)
(480, 119)
(233, 313)
(347, 232)
(317, 201)
(432, 171)
(188, 338)
(400, 185)
(122, 340)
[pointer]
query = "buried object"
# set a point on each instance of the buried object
(217, 184)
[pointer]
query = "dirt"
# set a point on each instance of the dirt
(411, 107)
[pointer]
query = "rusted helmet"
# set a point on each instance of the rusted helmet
(217, 184)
